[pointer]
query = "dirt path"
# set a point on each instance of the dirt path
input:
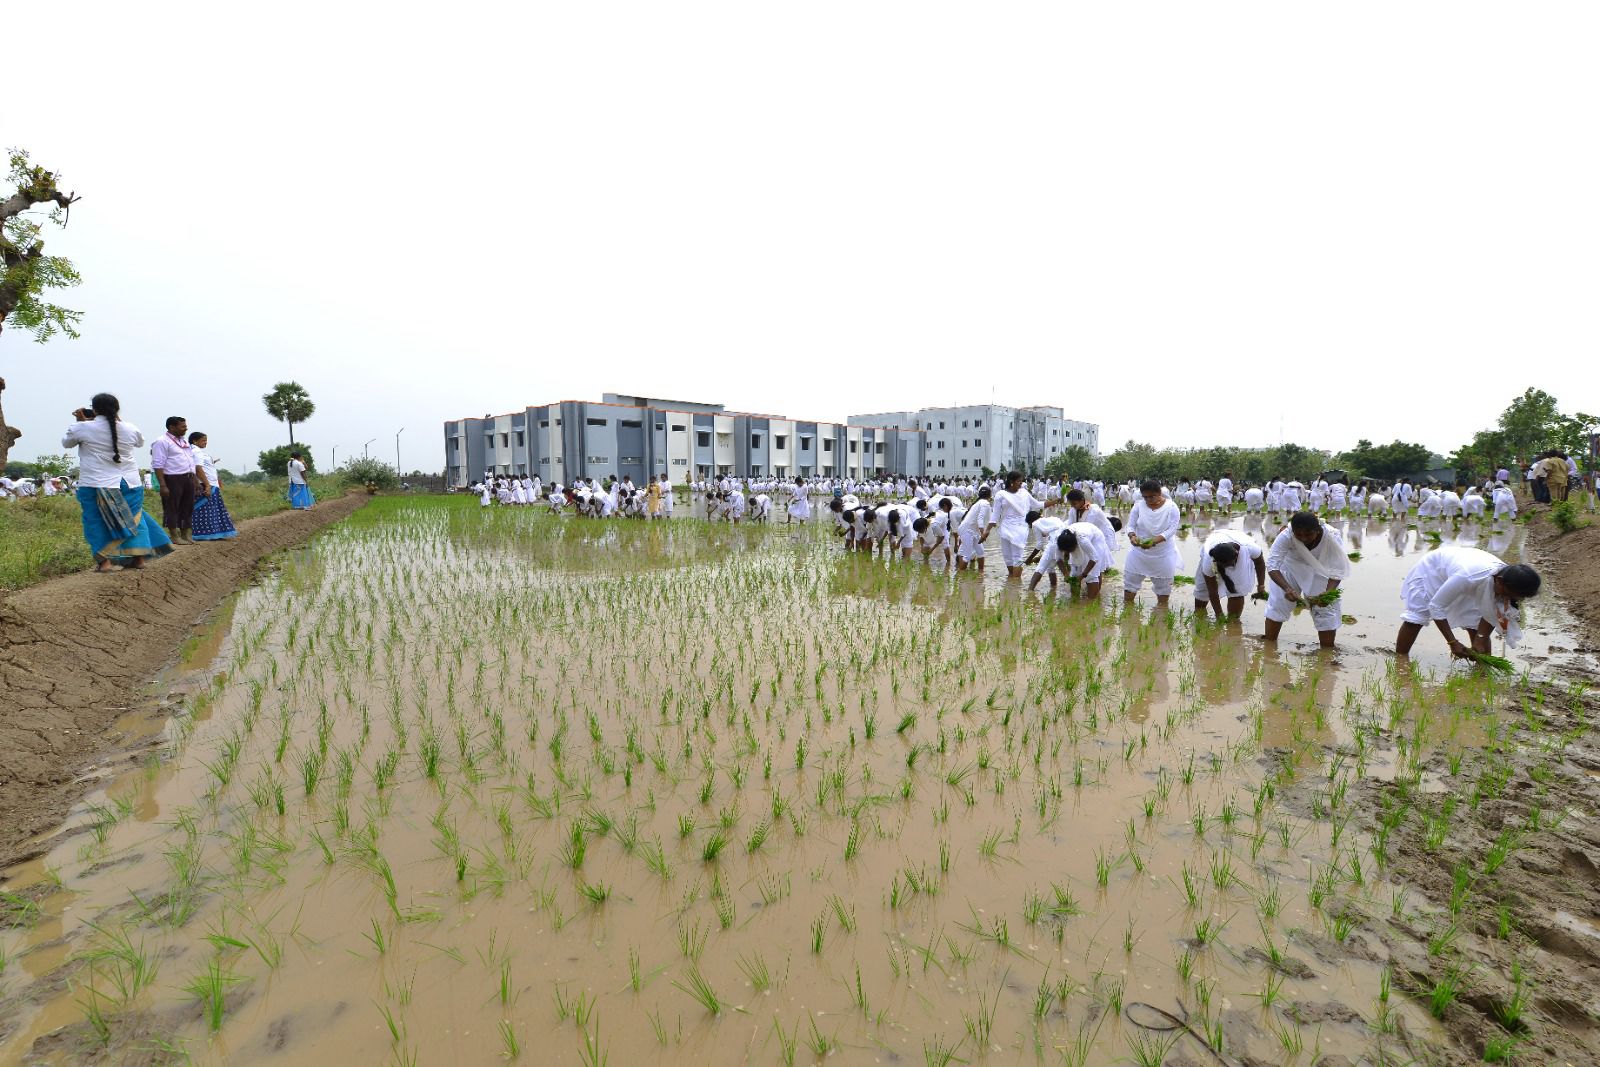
(74, 650)
(1571, 564)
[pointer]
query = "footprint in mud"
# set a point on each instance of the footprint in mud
(1288, 966)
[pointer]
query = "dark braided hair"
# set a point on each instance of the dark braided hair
(107, 405)
(1224, 556)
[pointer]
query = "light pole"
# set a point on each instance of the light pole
(364, 447)
(397, 434)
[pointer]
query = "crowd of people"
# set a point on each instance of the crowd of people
(1096, 525)
(110, 486)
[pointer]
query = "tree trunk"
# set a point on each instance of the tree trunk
(291, 430)
(8, 434)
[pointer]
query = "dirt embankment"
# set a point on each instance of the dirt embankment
(1570, 563)
(1498, 928)
(74, 650)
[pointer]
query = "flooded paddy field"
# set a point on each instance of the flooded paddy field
(457, 786)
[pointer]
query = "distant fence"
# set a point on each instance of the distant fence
(423, 483)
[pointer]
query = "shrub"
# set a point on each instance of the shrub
(1566, 516)
(368, 469)
(275, 461)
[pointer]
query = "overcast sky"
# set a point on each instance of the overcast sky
(1191, 223)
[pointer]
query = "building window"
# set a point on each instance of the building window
(596, 422)
(544, 424)
(852, 447)
(977, 423)
(963, 463)
(677, 427)
(755, 440)
(780, 441)
(558, 422)
(631, 459)
(977, 442)
(519, 438)
(827, 444)
(630, 424)
(941, 463)
(598, 459)
(661, 426)
(505, 440)
(805, 444)
(879, 449)
(703, 438)
(939, 444)
(941, 424)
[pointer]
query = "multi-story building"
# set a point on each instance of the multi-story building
(643, 437)
(966, 440)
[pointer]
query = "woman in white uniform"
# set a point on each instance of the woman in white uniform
(1306, 559)
(1227, 558)
(1467, 588)
(1011, 507)
(973, 531)
(1083, 511)
(799, 502)
(1152, 530)
(1505, 503)
(1079, 551)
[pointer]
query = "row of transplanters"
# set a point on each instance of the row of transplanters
(1452, 587)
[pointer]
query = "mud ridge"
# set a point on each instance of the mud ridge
(73, 652)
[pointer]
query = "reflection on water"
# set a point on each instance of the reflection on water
(468, 785)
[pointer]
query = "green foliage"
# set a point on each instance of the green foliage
(364, 470)
(28, 272)
(1566, 516)
(290, 403)
(1171, 465)
(1074, 461)
(1393, 460)
(275, 461)
(1530, 424)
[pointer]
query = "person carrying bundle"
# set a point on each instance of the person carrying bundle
(1011, 508)
(1466, 588)
(1152, 530)
(1306, 562)
(1081, 553)
(1227, 558)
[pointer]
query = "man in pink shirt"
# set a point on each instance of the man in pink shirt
(172, 458)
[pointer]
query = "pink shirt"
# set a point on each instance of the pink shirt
(170, 455)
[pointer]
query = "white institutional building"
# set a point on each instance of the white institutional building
(965, 440)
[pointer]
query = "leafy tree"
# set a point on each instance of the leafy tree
(365, 469)
(1074, 461)
(1529, 422)
(275, 461)
(54, 465)
(1392, 460)
(289, 402)
(26, 273)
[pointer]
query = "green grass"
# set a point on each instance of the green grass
(42, 537)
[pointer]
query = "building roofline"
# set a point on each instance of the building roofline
(678, 411)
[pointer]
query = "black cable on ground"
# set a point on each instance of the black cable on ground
(1172, 1022)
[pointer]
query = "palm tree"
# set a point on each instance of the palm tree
(289, 402)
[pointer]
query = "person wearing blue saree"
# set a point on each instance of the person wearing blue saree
(299, 492)
(109, 490)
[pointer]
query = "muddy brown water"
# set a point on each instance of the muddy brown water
(449, 786)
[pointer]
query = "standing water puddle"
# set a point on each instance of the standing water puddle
(467, 785)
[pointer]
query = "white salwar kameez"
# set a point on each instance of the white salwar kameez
(1160, 563)
(1308, 570)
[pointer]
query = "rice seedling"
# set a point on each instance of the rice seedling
(698, 989)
